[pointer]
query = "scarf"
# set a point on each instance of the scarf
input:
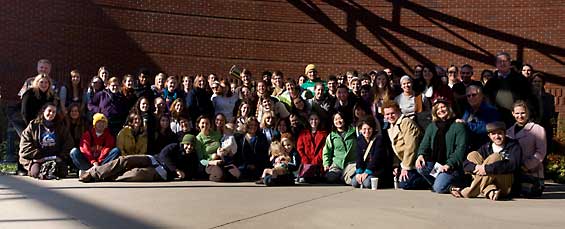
(439, 149)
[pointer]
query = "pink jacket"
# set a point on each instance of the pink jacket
(533, 143)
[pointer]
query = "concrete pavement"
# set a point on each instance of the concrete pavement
(29, 203)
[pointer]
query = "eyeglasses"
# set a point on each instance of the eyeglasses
(472, 95)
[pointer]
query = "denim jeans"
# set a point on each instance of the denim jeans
(414, 181)
(82, 163)
(366, 182)
(442, 182)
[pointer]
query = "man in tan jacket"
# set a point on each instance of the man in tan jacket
(405, 138)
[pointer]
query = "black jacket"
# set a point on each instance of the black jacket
(173, 157)
(512, 153)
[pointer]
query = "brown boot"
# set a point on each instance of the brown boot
(86, 177)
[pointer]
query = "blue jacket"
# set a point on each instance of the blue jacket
(478, 125)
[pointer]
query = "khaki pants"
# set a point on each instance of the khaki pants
(482, 185)
(133, 168)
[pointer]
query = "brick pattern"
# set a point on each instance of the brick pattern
(203, 36)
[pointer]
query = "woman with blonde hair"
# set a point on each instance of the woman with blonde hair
(198, 99)
(268, 126)
(443, 148)
(38, 95)
(531, 136)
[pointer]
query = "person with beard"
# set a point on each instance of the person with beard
(441, 151)
(111, 103)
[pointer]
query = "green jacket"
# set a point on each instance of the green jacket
(338, 151)
(455, 141)
(207, 145)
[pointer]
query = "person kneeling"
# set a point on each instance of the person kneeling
(177, 161)
(493, 166)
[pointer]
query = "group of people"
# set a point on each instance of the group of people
(431, 129)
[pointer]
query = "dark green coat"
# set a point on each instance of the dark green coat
(456, 141)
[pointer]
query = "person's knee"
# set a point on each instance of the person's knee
(474, 156)
(354, 183)
(440, 187)
(75, 152)
(215, 173)
(333, 177)
(34, 170)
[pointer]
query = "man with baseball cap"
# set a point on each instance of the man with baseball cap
(493, 166)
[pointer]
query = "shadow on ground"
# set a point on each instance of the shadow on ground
(89, 215)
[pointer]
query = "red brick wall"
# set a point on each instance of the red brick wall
(203, 36)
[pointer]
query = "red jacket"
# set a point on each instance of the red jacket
(310, 150)
(94, 148)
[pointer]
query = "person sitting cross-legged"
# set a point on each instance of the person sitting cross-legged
(493, 166)
(97, 145)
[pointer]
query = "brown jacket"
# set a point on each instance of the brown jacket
(30, 148)
(405, 137)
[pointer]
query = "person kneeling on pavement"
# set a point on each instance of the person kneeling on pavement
(97, 146)
(177, 161)
(493, 166)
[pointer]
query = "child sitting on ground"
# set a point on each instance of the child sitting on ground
(279, 174)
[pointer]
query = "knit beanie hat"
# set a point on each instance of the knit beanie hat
(98, 117)
(309, 68)
(188, 138)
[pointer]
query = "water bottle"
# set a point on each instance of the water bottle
(396, 182)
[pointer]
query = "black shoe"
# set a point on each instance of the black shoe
(260, 181)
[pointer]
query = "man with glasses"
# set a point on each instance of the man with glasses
(477, 115)
(507, 87)
(277, 80)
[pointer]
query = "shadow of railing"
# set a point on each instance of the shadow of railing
(379, 27)
(88, 214)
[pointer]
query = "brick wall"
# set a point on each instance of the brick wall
(203, 36)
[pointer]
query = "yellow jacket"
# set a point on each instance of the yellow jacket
(129, 145)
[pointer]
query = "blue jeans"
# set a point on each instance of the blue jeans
(366, 182)
(82, 163)
(414, 181)
(442, 182)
